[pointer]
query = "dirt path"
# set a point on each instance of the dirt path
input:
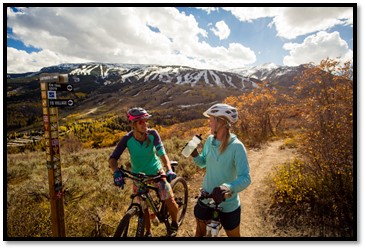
(261, 163)
(252, 199)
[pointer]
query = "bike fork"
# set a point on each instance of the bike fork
(140, 226)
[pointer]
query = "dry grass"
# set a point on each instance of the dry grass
(93, 205)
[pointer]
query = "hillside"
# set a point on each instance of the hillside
(101, 89)
(316, 191)
(94, 210)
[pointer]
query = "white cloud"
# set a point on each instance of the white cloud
(316, 48)
(291, 22)
(221, 30)
(248, 14)
(208, 9)
(19, 61)
(236, 55)
(121, 35)
(154, 35)
(294, 22)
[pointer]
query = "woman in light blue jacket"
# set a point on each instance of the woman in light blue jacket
(227, 170)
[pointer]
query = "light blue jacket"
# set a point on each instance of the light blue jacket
(231, 168)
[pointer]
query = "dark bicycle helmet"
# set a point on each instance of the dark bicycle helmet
(136, 114)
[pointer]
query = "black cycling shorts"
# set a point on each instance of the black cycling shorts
(228, 220)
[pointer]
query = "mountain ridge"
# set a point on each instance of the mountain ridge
(110, 88)
(237, 78)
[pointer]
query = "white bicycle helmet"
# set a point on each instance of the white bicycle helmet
(223, 110)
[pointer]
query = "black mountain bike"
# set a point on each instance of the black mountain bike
(132, 223)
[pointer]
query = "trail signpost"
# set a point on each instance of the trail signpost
(50, 85)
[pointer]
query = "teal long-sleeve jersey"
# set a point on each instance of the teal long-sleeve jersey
(230, 168)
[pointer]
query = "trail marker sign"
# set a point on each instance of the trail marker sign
(50, 84)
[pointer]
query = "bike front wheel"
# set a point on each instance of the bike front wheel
(132, 224)
(180, 191)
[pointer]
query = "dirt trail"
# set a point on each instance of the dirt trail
(253, 201)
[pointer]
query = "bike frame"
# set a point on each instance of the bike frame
(136, 209)
(144, 193)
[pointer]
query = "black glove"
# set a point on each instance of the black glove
(218, 193)
(118, 178)
(170, 175)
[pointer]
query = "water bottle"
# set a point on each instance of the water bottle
(191, 145)
(213, 229)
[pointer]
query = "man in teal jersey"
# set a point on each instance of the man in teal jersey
(227, 170)
(145, 148)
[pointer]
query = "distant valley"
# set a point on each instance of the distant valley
(173, 93)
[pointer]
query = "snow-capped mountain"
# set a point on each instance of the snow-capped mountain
(107, 88)
(259, 72)
(271, 73)
(178, 85)
(112, 73)
(108, 73)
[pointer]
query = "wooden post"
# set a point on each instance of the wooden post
(50, 124)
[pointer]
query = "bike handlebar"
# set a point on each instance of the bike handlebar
(205, 195)
(142, 177)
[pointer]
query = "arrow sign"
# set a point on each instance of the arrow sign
(60, 87)
(60, 102)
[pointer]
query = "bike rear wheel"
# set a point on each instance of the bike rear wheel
(180, 190)
(132, 224)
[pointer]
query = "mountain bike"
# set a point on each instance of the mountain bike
(213, 226)
(132, 223)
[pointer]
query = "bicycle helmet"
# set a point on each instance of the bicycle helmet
(223, 110)
(136, 114)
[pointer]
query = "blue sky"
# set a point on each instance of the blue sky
(210, 37)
